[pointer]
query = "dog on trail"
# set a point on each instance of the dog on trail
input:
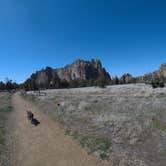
(35, 122)
(31, 118)
(30, 115)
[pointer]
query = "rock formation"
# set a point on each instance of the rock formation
(159, 74)
(126, 78)
(80, 70)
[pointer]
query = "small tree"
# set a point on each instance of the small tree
(64, 84)
(9, 85)
(27, 85)
(2, 86)
(101, 82)
(153, 84)
(91, 82)
(74, 84)
(161, 84)
(156, 83)
(116, 80)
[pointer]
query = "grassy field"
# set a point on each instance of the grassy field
(124, 123)
(5, 109)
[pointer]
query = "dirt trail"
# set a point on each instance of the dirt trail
(46, 144)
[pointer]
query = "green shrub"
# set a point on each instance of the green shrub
(154, 85)
(92, 144)
(161, 84)
(6, 109)
(101, 82)
(158, 124)
(100, 145)
(157, 83)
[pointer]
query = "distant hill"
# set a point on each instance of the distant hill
(158, 74)
(76, 74)
(127, 78)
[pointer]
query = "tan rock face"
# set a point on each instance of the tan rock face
(79, 70)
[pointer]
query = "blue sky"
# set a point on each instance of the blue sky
(126, 35)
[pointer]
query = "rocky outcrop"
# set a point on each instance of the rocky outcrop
(159, 74)
(126, 78)
(77, 71)
(82, 70)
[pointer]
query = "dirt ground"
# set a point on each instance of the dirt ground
(45, 144)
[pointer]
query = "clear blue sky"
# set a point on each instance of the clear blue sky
(126, 35)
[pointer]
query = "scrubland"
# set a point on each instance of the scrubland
(124, 123)
(5, 109)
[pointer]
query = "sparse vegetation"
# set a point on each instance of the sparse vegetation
(5, 109)
(115, 80)
(114, 121)
(30, 97)
(158, 124)
(156, 83)
(100, 145)
(8, 85)
(93, 144)
(101, 82)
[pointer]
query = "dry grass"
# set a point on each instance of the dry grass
(132, 117)
(5, 109)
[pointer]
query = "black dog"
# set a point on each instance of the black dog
(30, 115)
(35, 122)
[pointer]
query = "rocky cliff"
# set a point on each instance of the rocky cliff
(82, 70)
(79, 70)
